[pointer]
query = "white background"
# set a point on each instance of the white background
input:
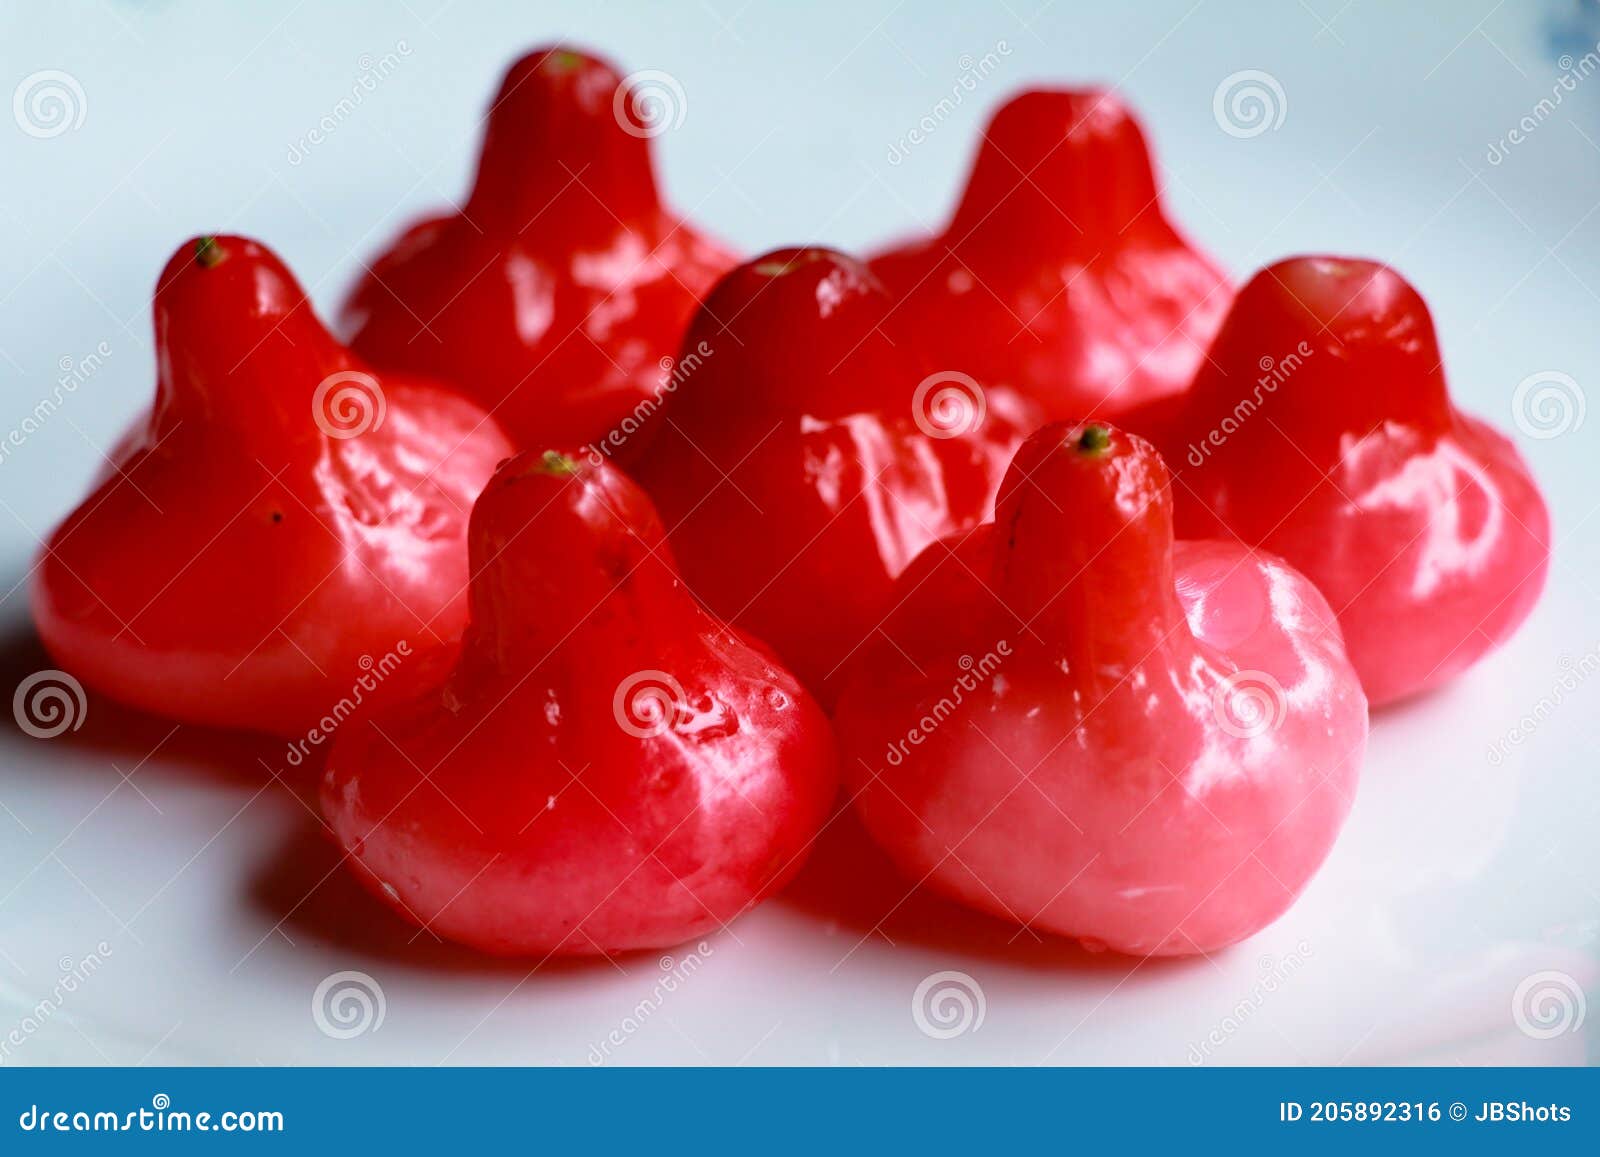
(1456, 880)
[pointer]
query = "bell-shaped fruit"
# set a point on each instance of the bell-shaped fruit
(557, 296)
(280, 540)
(1059, 274)
(1320, 428)
(803, 459)
(1078, 724)
(609, 768)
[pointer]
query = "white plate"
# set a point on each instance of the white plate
(205, 907)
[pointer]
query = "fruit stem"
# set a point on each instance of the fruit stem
(1094, 440)
(207, 253)
(556, 465)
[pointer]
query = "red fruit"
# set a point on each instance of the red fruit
(609, 768)
(278, 527)
(1059, 273)
(558, 294)
(1075, 723)
(1321, 429)
(803, 459)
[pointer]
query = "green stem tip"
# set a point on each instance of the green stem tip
(556, 464)
(208, 253)
(1093, 439)
(782, 267)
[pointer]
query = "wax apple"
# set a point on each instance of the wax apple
(1059, 273)
(608, 768)
(1321, 429)
(280, 522)
(1074, 722)
(807, 458)
(556, 297)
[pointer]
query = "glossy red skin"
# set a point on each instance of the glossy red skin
(543, 826)
(235, 566)
(1059, 273)
(789, 465)
(558, 295)
(1421, 525)
(1103, 780)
